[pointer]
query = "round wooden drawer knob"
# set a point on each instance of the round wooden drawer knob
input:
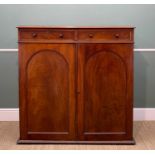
(61, 35)
(34, 35)
(91, 35)
(116, 35)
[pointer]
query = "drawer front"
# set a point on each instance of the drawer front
(46, 35)
(107, 34)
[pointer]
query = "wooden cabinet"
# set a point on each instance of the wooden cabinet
(76, 85)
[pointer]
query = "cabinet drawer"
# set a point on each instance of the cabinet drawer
(107, 34)
(46, 35)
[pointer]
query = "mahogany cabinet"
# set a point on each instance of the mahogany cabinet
(76, 84)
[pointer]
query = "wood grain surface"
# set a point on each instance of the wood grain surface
(76, 84)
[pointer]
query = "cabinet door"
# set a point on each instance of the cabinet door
(47, 91)
(105, 91)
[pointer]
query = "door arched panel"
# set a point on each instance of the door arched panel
(105, 93)
(48, 92)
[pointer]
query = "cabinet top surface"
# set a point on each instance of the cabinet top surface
(77, 27)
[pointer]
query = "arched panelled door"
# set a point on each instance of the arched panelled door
(103, 96)
(50, 98)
